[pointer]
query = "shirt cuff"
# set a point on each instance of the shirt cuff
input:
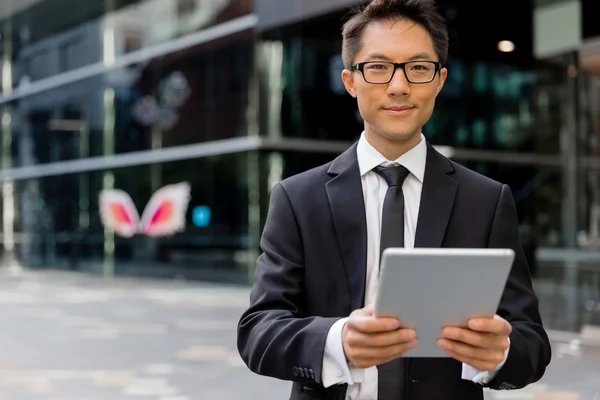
(483, 377)
(335, 368)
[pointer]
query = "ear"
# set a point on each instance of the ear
(442, 80)
(348, 79)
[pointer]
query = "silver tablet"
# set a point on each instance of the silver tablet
(428, 289)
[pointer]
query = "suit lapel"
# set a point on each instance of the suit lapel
(437, 200)
(347, 204)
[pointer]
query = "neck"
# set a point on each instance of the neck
(391, 149)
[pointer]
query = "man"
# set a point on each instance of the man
(310, 320)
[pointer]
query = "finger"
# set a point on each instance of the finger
(477, 364)
(365, 311)
(471, 352)
(385, 339)
(367, 324)
(399, 350)
(496, 325)
(359, 312)
(368, 356)
(473, 338)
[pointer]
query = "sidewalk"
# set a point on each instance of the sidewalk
(79, 337)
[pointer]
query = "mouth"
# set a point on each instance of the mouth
(399, 109)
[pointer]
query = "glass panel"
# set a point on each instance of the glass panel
(293, 163)
(193, 96)
(537, 192)
(278, 165)
(492, 100)
(592, 112)
(96, 31)
(57, 221)
(307, 71)
(565, 301)
(585, 269)
(568, 300)
(496, 107)
(590, 9)
(567, 281)
(482, 106)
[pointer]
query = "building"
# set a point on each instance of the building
(232, 96)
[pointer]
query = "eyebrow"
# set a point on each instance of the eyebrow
(379, 56)
(421, 56)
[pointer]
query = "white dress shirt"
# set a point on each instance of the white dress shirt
(362, 383)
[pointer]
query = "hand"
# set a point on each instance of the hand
(482, 346)
(370, 341)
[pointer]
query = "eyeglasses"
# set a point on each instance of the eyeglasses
(381, 72)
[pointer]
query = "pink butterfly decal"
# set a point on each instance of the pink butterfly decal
(163, 215)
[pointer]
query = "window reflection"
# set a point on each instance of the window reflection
(537, 193)
(92, 33)
(486, 103)
(59, 223)
(193, 96)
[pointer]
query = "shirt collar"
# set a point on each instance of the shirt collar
(413, 160)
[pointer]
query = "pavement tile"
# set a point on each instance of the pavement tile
(70, 336)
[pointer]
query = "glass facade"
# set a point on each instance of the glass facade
(487, 102)
(58, 222)
(101, 83)
(196, 95)
(102, 31)
(510, 116)
(99, 99)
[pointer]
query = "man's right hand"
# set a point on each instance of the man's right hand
(370, 341)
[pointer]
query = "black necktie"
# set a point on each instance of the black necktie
(392, 374)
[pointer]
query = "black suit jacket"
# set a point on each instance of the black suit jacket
(312, 271)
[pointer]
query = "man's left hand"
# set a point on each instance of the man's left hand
(481, 346)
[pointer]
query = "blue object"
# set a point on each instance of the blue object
(201, 216)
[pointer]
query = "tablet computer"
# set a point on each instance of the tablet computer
(428, 289)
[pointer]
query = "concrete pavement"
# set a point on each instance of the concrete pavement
(71, 336)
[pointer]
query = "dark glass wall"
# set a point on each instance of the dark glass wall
(494, 105)
(192, 96)
(590, 10)
(489, 101)
(508, 116)
(43, 46)
(58, 221)
(117, 77)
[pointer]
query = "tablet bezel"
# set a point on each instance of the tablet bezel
(467, 283)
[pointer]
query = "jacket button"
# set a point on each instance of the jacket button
(295, 371)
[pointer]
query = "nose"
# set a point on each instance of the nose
(399, 85)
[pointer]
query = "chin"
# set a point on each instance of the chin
(399, 136)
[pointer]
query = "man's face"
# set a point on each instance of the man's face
(399, 109)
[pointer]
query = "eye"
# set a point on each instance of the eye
(421, 67)
(377, 66)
